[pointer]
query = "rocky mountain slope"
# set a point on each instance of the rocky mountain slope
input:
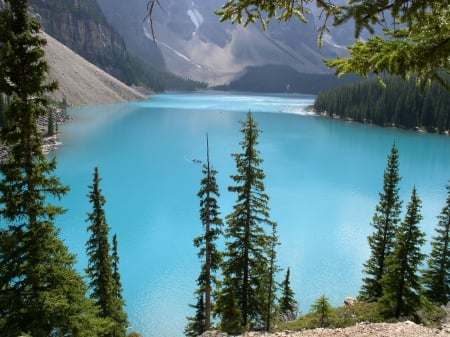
(81, 25)
(81, 82)
(190, 41)
(195, 44)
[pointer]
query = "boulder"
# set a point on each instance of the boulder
(350, 300)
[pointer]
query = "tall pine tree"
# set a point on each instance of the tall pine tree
(401, 283)
(103, 283)
(385, 221)
(249, 261)
(41, 294)
(212, 225)
(436, 277)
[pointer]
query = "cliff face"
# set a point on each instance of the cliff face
(81, 25)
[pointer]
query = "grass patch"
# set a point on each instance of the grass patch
(349, 315)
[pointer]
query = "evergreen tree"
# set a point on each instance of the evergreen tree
(115, 269)
(436, 277)
(227, 307)
(385, 221)
(196, 325)
(104, 286)
(401, 282)
(212, 224)
(287, 304)
(322, 308)
(248, 262)
(270, 285)
(118, 314)
(50, 124)
(41, 294)
(414, 39)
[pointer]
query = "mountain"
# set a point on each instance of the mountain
(190, 42)
(81, 82)
(82, 26)
(194, 44)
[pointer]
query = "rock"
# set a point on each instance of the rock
(350, 300)
(214, 333)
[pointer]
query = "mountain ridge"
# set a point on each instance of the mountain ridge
(195, 44)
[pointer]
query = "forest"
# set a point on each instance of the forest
(284, 79)
(400, 104)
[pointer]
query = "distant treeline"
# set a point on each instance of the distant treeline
(158, 80)
(282, 78)
(400, 104)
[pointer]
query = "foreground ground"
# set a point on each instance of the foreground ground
(403, 329)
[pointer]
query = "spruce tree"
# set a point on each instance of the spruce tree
(103, 284)
(228, 307)
(401, 283)
(385, 221)
(118, 313)
(117, 284)
(41, 294)
(287, 303)
(270, 286)
(248, 266)
(322, 308)
(196, 325)
(212, 229)
(436, 277)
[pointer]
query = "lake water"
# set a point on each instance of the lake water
(323, 177)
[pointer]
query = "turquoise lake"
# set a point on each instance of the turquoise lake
(323, 177)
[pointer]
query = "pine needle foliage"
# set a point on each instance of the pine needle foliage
(196, 324)
(415, 37)
(288, 305)
(322, 309)
(402, 283)
(208, 253)
(41, 294)
(436, 277)
(250, 257)
(102, 270)
(385, 221)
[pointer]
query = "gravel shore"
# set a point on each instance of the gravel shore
(402, 329)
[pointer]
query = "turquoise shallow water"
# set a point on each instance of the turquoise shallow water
(323, 177)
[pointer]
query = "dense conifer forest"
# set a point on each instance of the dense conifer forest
(400, 104)
(282, 78)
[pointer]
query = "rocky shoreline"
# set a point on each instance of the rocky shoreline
(49, 143)
(401, 329)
